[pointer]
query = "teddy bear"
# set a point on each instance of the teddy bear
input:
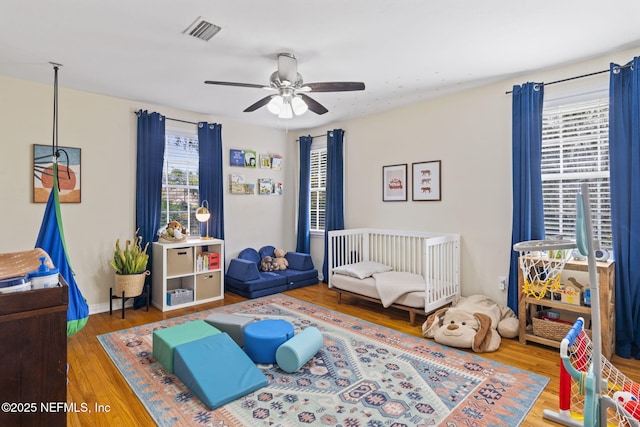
(280, 260)
(475, 322)
(268, 264)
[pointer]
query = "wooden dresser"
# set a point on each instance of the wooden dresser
(33, 368)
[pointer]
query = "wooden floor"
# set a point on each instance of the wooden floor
(95, 381)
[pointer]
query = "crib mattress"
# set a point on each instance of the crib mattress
(367, 287)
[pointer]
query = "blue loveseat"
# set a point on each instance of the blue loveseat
(244, 277)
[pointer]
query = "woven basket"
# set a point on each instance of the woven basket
(552, 330)
(167, 239)
(131, 284)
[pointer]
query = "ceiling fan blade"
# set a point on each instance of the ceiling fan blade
(287, 67)
(261, 103)
(313, 105)
(335, 86)
(211, 82)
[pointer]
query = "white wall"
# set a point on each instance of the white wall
(470, 132)
(105, 130)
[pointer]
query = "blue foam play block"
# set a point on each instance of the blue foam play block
(297, 351)
(217, 370)
(262, 339)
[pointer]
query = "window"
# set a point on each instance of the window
(180, 193)
(575, 148)
(318, 187)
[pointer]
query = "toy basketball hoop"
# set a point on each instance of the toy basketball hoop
(541, 262)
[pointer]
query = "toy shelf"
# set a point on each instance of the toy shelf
(182, 277)
(529, 307)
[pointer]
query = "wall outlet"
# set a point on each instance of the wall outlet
(502, 283)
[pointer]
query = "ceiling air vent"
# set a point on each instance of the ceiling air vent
(202, 29)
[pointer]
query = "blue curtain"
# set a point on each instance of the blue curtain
(334, 204)
(624, 157)
(528, 212)
(210, 176)
(304, 196)
(150, 156)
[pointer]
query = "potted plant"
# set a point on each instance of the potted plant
(130, 265)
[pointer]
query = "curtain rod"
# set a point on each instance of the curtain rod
(194, 123)
(579, 77)
(181, 121)
(175, 120)
(313, 136)
(568, 79)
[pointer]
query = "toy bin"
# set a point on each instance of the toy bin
(179, 296)
(179, 261)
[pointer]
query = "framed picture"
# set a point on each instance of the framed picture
(394, 183)
(68, 174)
(426, 181)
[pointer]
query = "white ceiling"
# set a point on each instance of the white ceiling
(404, 51)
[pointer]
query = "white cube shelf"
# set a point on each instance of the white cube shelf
(180, 266)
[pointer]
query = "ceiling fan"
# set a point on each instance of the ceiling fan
(291, 97)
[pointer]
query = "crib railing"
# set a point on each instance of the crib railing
(435, 256)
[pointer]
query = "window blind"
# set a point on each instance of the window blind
(180, 193)
(318, 188)
(575, 148)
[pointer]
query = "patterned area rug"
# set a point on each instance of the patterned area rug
(364, 375)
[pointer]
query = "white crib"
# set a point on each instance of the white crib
(435, 256)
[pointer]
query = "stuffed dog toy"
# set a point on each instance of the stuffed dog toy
(475, 322)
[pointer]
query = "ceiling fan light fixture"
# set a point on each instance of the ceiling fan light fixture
(290, 97)
(287, 111)
(275, 105)
(299, 106)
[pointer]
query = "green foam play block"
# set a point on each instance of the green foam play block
(166, 340)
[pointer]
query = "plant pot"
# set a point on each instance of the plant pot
(131, 284)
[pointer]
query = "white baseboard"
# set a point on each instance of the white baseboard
(104, 307)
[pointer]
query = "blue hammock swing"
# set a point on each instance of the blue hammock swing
(51, 235)
(51, 239)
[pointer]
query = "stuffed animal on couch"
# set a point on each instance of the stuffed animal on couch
(280, 260)
(475, 322)
(268, 264)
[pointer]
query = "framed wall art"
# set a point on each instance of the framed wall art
(68, 174)
(394, 183)
(426, 181)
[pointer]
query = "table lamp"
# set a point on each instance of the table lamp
(203, 215)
